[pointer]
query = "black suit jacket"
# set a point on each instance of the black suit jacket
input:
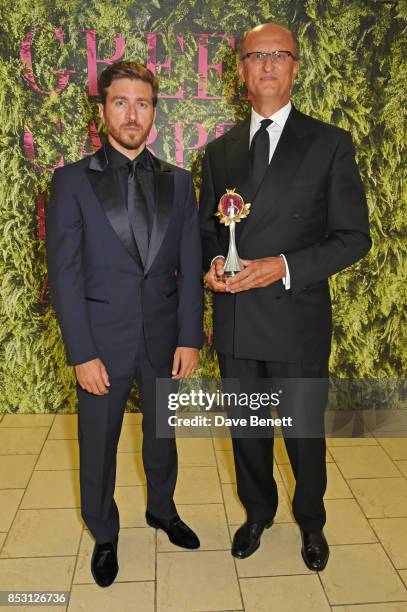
(311, 207)
(103, 297)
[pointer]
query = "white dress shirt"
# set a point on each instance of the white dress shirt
(274, 130)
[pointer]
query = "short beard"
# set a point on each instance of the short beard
(131, 145)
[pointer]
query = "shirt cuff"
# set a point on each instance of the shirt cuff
(216, 257)
(286, 279)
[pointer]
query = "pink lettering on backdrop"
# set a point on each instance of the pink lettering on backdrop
(204, 66)
(41, 216)
(152, 63)
(26, 58)
(220, 128)
(152, 137)
(29, 148)
(180, 148)
(93, 61)
(91, 141)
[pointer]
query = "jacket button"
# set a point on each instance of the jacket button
(295, 215)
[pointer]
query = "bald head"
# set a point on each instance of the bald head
(269, 30)
(268, 65)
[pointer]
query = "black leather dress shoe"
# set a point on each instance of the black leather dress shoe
(315, 550)
(104, 566)
(177, 531)
(247, 538)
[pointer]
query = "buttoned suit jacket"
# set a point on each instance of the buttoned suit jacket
(311, 207)
(104, 298)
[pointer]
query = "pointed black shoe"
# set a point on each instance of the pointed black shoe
(104, 566)
(247, 538)
(315, 550)
(177, 531)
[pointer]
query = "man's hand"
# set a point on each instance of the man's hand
(214, 274)
(92, 376)
(186, 361)
(257, 273)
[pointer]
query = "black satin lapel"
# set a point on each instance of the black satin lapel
(164, 186)
(287, 157)
(110, 198)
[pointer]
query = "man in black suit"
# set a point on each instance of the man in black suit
(124, 261)
(308, 220)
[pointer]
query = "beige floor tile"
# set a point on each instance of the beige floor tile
(9, 502)
(65, 427)
(284, 594)
(346, 523)
(195, 451)
(364, 462)
(361, 574)
(396, 448)
(37, 574)
(44, 533)
(123, 596)
(336, 487)
(235, 512)
(136, 555)
(284, 512)
(15, 470)
(52, 489)
(2, 539)
(403, 574)
(131, 439)
(130, 470)
(222, 443)
(381, 497)
(392, 533)
(279, 554)
(192, 581)
(27, 420)
(59, 455)
(402, 466)
(131, 502)
(368, 441)
(226, 466)
(132, 418)
(198, 485)
(380, 607)
(209, 523)
(22, 440)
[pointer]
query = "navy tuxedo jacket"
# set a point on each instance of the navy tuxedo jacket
(103, 297)
(311, 207)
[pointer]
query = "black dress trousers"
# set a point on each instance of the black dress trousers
(305, 387)
(99, 425)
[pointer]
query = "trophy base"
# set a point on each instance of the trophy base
(228, 274)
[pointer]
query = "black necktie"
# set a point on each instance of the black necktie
(137, 210)
(260, 151)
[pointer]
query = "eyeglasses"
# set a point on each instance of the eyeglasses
(261, 57)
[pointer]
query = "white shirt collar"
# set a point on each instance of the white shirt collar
(279, 118)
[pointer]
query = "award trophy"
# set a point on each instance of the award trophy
(231, 210)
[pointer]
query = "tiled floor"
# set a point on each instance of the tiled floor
(44, 545)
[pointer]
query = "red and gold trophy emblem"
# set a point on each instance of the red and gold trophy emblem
(231, 209)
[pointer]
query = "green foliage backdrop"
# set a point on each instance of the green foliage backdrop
(353, 74)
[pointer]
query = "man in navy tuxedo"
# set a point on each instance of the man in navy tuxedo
(308, 220)
(124, 261)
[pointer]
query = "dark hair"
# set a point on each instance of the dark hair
(126, 70)
(296, 43)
